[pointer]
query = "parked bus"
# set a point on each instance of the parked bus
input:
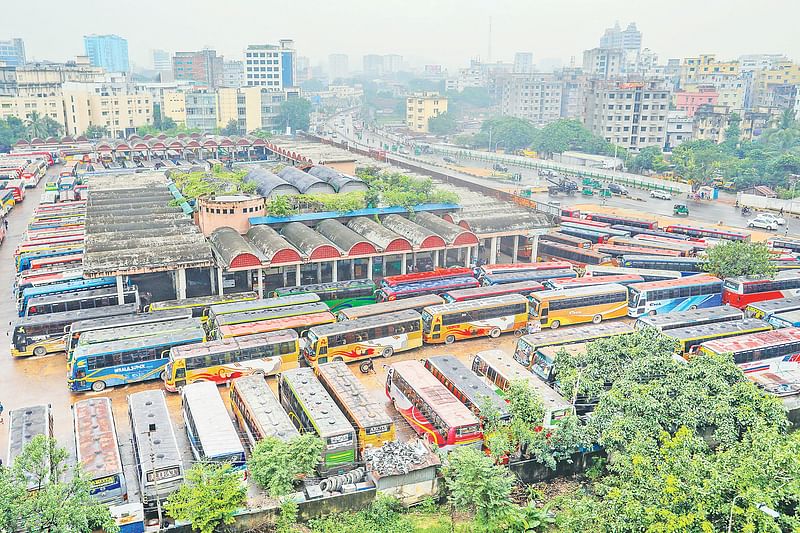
(135, 331)
(687, 266)
(58, 303)
(586, 281)
(212, 436)
(708, 233)
(563, 238)
(373, 426)
(634, 231)
(585, 222)
(504, 268)
(431, 410)
(223, 360)
(690, 317)
(648, 274)
(527, 344)
(657, 247)
(259, 304)
(487, 291)
(157, 458)
(56, 263)
(765, 309)
(544, 367)
(779, 376)
(450, 322)
(246, 317)
(97, 447)
(468, 387)
(109, 364)
(337, 295)
(17, 188)
(72, 286)
(24, 424)
(594, 236)
(616, 251)
(420, 288)
(43, 278)
(42, 334)
(687, 246)
(550, 251)
(527, 276)
(311, 408)
(627, 221)
(500, 370)
(437, 273)
(658, 297)
(689, 338)
(301, 324)
(756, 346)
(742, 291)
(258, 412)
(417, 303)
(784, 244)
(606, 232)
(353, 340)
(789, 319)
(201, 304)
(565, 307)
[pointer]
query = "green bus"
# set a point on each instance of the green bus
(338, 295)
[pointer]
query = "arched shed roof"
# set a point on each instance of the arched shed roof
(452, 234)
(268, 184)
(275, 248)
(382, 237)
(421, 237)
(340, 182)
(348, 240)
(305, 183)
(500, 223)
(233, 250)
(309, 242)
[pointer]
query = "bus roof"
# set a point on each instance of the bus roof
(68, 317)
(96, 437)
(134, 331)
(595, 280)
(47, 299)
(362, 323)
(325, 415)
(25, 423)
(264, 326)
(416, 302)
(265, 409)
(573, 334)
(270, 313)
(466, 305)
(205, 300)
(717, 328)
(752, 341)
(529, 275)
(263, 303)
(792, 316)
(437, 273)
(441, 284)
(679, 282)
(325, 287)
(621, 249)
(519, 287)
(588, 290)
(213, 424)
(592, 270)
(781, 275)
(668, 321)
(434, 393)
(107, 322)
(231, 344)
(664, 259)
(789, 303)
(504, 268)
(159, 448)
(353, 396)
(195, 334)
(66, 286)
(468, 383)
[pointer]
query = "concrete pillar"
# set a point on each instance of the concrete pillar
(413, 261)
(180, 283)
(436, 259)
(120, 291)
(534, 247)
(493, 251)
(403, 264)
(285, 277)
(352, 269)
(260, 282)
(319, 272)
(383, 265)
(297, 276)
(467, 256)
(369, 267)
(213, 276)
(220, 282)
(335, 270)
(515, 250)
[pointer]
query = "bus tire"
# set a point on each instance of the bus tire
(39, 351)
(163, 375)
(99, 386)
(652, 312)
(692, 307)
(387, 352)
(596, 319)
(450, 339)
(554, 324)
(494, 333)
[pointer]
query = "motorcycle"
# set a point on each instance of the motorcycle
(746, 211)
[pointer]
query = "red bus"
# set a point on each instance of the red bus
(61, 262)
(741, 291)
(586, 222)
(11, 170)
(571, 283)
(504, 268)
(563, 238)
(708, 233)
(430, 409)
(520, 287)
(617, 251)
(46, 156)
(17, 187)
(33, 173)
(690, 247)
(625, 221)
(438, 273)
(551, 251)
(756, 346)
(300, 324)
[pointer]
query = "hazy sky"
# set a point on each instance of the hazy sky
(449, 32)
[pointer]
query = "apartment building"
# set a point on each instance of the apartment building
(12, 52)
(630, 114)
(420, 107)
(233, 74)
(535, 97)
(680, 129)
(203, 67)
(373, 64)
(689, 101)
(604, 62)
(22, 107)
(107, 51)
(47, 79)
(696, 69)
(120, 112)
(338, 66)
(573, 89)
(271, 66)
(201, 109)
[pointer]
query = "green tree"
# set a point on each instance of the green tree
(280, 206)
(35, 125)
(476, 484)
(649, 158)
(231, 128)
(261, 134)
(733, 132)
(58, 502)
(563, 135)
(275, 464)
(12, 129)
(734, 258)
(96, 131)
(295, 113)
(509, 132)
(209, 497)
(443, 124)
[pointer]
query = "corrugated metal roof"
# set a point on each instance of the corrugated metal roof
(233, 250)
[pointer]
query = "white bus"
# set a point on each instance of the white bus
(212, 435)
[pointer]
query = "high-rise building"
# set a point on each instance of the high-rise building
(338, 66)
(373, 64)
(232, 74)
(12, 52)
(303, 69)
(573, 88)
(628, 39)
(603, 62)
(523, 63)
(107, 51)
(162, 62)
(392, 63)
(420, 107)
(204, 67)
(201, 109)
(535, 97)
(271, 66)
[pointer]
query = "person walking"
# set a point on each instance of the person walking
(1, 413)
(5, 223)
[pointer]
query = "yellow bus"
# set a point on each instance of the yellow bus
(362, 338)
(593, 303)
(201, 304)
(373, 426)
(492, 316)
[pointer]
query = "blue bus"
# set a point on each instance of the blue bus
(108, 364)
(687, 266)
(77, 285)
(420, 288)
(686, 293)
(528, 275)
(24, 260)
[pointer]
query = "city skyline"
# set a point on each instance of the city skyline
(430, 41)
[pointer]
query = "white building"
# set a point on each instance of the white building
(679, 129)
(338, 66)
(523, 63)
(392, 63)
(271, 66)
(603, 62)
(535, 97)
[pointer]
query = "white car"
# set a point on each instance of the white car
(662, 195)
(775, 218)
(762, 222)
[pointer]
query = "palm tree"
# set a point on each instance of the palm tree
(787, 119)
(36, 126)
(53, 127)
